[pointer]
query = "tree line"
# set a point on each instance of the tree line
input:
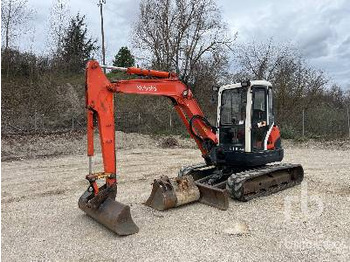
(188, 37)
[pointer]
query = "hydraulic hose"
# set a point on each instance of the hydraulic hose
(207, 142)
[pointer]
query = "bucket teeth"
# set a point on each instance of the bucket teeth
(110, 213)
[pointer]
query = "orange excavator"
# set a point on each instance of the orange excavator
(237, 151)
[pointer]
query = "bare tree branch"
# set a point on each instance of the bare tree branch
(179, 35)
(15, 14)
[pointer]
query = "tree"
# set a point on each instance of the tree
(297, 86)
(261, 60)
(77, 47)
(124, 58)
(59, 19)
(181, 35)
(14, 15)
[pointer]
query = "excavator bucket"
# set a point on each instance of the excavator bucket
(168, 193)
(110, 213)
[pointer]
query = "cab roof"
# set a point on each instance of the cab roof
(252, 83)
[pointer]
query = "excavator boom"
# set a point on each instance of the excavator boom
(98, 202)
(99, 102)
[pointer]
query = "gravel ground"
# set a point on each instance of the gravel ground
(41, 220)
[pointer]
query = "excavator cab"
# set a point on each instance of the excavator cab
(247, 132)
(248, 140)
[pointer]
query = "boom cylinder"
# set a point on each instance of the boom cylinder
(142, 72)
(90, 133)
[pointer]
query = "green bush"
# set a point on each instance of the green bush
(288, 132)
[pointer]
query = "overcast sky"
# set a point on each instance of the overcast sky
(320, 28)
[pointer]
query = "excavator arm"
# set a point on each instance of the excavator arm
(99, 103)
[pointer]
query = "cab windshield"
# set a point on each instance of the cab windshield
(233, 106)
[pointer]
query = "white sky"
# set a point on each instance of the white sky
(320, 28)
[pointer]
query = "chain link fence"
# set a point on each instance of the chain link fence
(312, 123)
(127, 122)
(318, 122)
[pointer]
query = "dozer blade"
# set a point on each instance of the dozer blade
(110, 213)
(168, 193)
(211, 185)
(215, 196)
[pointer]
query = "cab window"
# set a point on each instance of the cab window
(233, 105)
(259, 104)
(259, 125)
(271, 113)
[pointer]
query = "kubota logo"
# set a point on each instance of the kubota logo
(147, 88)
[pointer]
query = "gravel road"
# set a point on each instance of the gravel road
(41, 220)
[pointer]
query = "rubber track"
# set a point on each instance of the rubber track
(236, 181)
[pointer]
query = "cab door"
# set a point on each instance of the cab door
(259, 117)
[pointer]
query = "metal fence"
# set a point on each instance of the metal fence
(309, 123)
(126, 122)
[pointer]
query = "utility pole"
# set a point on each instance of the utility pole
(100, 4)
(303, 123)
(348, 114)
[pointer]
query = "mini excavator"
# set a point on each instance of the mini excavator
(239, 152)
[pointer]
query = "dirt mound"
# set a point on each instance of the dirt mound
(17, 147)
(169, 142)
